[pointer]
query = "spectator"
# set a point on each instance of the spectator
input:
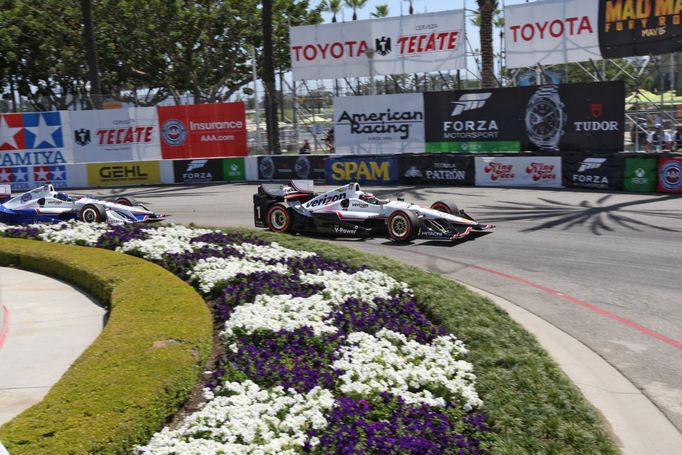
(659, 140)
(639, 135)
(677, 139)
(305, 148)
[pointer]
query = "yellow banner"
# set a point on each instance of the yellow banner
(130, 173)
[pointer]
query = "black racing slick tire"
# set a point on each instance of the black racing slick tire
(279, 218)
(92, 213)
(445, 207)
(125, 200)
(403, 226)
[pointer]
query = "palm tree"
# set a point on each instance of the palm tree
(486, 10)
(331, 6)
(356, 5)
(381, 11)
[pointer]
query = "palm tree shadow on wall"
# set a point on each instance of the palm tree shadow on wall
(600, 215)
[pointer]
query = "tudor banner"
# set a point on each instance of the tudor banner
(416, 43)
(552, 31)
(549, 118)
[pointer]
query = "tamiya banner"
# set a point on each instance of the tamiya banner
(366, 170)
(35, 139)
(640, 174)
(548, 118)
(552, 31)
(436, 169)
(198, 171)
(639, 27)
(416, 43)
(379, 124)
(301, 167)
(536, 171)
(593, 172)
(670, 175)
(203, 130)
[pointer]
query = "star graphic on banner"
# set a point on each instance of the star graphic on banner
(43, 132)
(20, 175)
(7, 133)
(4, 175)
(57, 173)
(41, 174)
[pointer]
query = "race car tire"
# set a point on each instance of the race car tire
(92, 213)
(125, 200)
(403, 226)
(279, 218)
(445, 207)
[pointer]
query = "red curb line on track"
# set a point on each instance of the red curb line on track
(640, 328)
(5, 325)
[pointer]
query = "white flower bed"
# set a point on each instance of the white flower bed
(363, 285)
(75, 234)
(211, 271)
(272, 252)
(172, 239)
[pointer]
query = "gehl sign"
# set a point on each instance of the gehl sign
(142, 172)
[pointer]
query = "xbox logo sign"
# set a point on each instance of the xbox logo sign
(639, 172)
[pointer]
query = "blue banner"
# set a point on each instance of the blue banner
(365, 170)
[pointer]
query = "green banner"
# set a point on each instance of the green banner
(473, 147)
(233, 169)
(640, 174)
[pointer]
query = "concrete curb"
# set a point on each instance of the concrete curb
(638, 426)
(4, 324)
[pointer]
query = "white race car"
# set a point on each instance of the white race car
(349, 211)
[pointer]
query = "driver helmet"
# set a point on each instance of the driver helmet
(366, 196)
(62, 196)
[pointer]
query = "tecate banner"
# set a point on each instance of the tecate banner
(302, 167)
(436, 169)
(366, 170)
(593, 172)
(379, 124)
(548, 118)
(551, 31)
(416, 43)
(536, 171)
(35, 139)
(670, 175)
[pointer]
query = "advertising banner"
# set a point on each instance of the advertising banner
(670, 175)
(640, 175)
(106, 135)
(417, 43)
(35, 139)
(436, 169)
(367, 170)
(593, 172)
(548, 118)
(551, 31)
(203, 130)
(131, 173)
(292, 167)
(639, 27)
(234, 169)
(150, 148)
(198, 171)
(379, 124)
(536, 171)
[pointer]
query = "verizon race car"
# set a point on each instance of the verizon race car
(44, 204)
(349, 211)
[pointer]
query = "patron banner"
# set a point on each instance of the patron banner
(416, 43)
(379, 124)
(536, 171)
(551, 31)
(436, 169)
(593, 172)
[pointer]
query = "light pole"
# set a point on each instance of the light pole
(255, 98)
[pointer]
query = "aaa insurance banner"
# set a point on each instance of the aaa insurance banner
(417, 43)
(552, 31)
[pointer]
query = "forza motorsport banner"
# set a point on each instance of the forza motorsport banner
(593, 172)
(375, 170)
(35, 139)
(436, 169)
(131, 173)
(552, 31)
(670, 175)
(379, 124)
(416, 43)
(549, 118)
(203, 130)
(640, 175)
(301, 167)
(536, 171)
(639, 27)
(198, 171)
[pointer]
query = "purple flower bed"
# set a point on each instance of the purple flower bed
(117, 235)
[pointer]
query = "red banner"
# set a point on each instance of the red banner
(203, 130)
(670, 175)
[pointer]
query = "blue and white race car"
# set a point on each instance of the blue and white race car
(45, 205)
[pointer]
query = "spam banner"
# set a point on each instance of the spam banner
(131, 173)
(375, 170)
(604, 173)
(536, 171)
(436, 169)
(301, 167)
(198, 171)
(670, 175)
(547, 118)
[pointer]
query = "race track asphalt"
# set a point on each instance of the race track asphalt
(603, 267)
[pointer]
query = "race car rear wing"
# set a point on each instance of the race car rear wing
(278, 190)
(5, 193)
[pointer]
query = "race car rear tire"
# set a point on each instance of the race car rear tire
(445, 207)
(279, 218)
(403, 226)
(125, 200)
(92, 213)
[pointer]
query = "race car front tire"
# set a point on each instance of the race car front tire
(92, 213)
(445, 207)
(279, 218)
(403, 226)
(125, 200)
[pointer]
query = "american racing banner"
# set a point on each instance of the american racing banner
(536, 171)
(379, 124)
(639, 27)
(374, 170)
(203, 130)
(198, 171)
(436, 169)
(35, 139)
(604, 173)
(550, 118)
(551, 31)
(416, 43)
(301, 167)
(670, 175)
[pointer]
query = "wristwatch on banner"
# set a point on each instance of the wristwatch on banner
(545, 118)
